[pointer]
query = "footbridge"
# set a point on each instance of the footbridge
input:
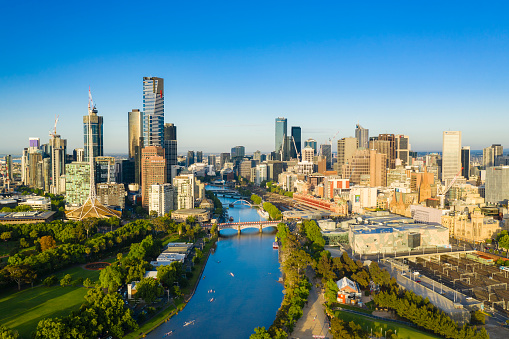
(227, 194)
(239, 226)
(242, 202)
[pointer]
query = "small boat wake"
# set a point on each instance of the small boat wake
(187, 323)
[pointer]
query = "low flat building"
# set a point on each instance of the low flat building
(38, 203)
(200, 215)
(349, 291)
(30, 217)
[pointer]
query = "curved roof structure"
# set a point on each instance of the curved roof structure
(92, 208)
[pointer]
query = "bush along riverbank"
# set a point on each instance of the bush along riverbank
(294, 261)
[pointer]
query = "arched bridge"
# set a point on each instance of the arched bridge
(242, 202)
(239, 226)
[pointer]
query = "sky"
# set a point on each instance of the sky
(230, 68)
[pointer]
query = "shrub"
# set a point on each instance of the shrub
(49, 281)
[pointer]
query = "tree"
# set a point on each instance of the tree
(66, 280)
(6, 236)
(260, 333)
(21, 273)
(51, 280)
(6, 333)
(47, 242)
(167, 275)
(153, 214)
(23, 243)
(88, 283)
(214, 230)
(111, 277)
(148, 289)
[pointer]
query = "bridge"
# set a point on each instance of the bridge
(239, 226)
(227, 194)
(241, 202)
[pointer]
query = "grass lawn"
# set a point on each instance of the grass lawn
(403, 332)
(353, 308)
(23, 310)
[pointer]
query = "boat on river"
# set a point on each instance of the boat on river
(231, 219)
(187, 323)
(275, 245)
(263, 213)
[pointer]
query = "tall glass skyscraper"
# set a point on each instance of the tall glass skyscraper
(280, 134)
(296, 134)
(451, 154)
(153, 111)
(96, 122)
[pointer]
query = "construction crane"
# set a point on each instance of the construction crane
(443, 192)
(54, 133)
(334, 137)
(296, 151)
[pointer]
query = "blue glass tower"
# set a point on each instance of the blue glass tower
(153, 112)
(280, 134)
(96, 123)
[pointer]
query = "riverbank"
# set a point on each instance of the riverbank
(167, 313)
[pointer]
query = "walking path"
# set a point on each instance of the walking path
(313, 321)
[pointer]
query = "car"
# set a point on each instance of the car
(418, 281)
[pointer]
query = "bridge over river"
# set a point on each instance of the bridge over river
(239, 226)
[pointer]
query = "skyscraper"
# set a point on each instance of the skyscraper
(134, 132)
(153, 168)
(170, 148)
(326, 151)
(451, 154)
(296, 135)
(346, 150)
(199, 156)
(189, 158)
(362, 136)
(96, 128)
(311, 143)
(281, 130)
(465, 162)
(58, 148)
(238, 152)
(403, 149)
(153, 111)
(391, 159)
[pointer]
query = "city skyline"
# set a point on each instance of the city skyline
(405, 70)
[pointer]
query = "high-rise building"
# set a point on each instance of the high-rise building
(58, 149)
(223, 158)
(297, 138)
(326, 151)
(245, 168)
(308, 154)
(211, 161)
(465, 162)
(111, 194)
(134, 132)
(170, 149)
(311, 143)
(77, 183)
(105, 169)
(403, 149)
(488, 157)
(451, 154)
(153, 112)
(497, 184)
(238, 152)
(199, 157)
(161, 199)
(281, 132)
(184, 190)
(153, 168)
(498, 150)
(78, 155)
(96, 128)
(346, 149)
(8, 166)
(189, 158)
(34, 144)
(366, 168)
(25, 167)
(362, 136)
(391, 160)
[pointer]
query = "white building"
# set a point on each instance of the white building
(38, 203)
(160, 198)
(261, 173)
(451, 155)
(308, 154)
(362, 197)
(305, 167)
(184, 190)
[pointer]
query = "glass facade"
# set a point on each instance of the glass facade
(296, 134)
(451, 154)
(280, 133)
(153, 111)
(96, 122)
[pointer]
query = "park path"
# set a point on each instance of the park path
(313, 320)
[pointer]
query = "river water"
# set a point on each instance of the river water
(242, 301)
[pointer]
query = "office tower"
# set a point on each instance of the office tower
(184, 190)
(346, 149)
(161, 199)
(297, 138)
(308, 154)
(280, 135)
(58, 149)
(312, 143)
(33, 160)
(257, 155)
(153, 112)
(403, 149)
(275, 168)
(223, 158)
(25, 167)
(153, 168)
(451, 155)
(189, 158)
(326, 151)
(245, 168)
(46, 178)
(498, 150)
(105, 169)
(391, 160)
(128, 171)
(465, 162)
(366, 168)
(199, 157)
(134, 131)
(77, 183)
(488, 157)
(497, 184)
(238, 152)
(34, 144)
(78, 155)
(170, 149)
(96, 129)
(362, 136)
(111, 194)
(321, 164)
(211, 160)
(8, 167)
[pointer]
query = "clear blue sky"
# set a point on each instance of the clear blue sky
(231, 68)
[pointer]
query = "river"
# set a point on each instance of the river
(242, 301)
